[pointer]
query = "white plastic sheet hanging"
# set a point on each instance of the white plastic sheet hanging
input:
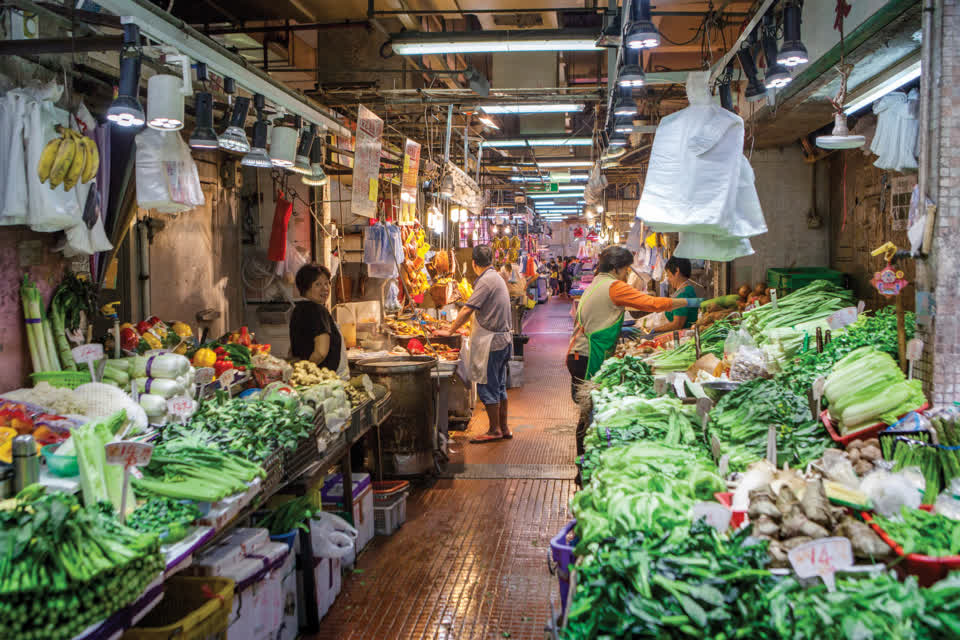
(694, 181)
(895, 142)
(167, 176)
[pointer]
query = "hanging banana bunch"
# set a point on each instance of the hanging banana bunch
(68, 159)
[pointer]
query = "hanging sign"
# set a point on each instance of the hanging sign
(408, 183)
(366, 165)
(550, 187)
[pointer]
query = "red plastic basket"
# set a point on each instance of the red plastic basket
(868, 432)
(739, 518)
(384, 492)
(928, 569)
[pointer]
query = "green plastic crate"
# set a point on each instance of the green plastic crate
(787, 280)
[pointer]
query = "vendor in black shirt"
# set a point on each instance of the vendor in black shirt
(314, 335)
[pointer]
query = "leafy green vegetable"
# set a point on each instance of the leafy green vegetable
(918, 531)
(180, 470)
(64, 567)
(819, 299)
(629, 375)
(699, 583)
(683, 357)
(288, 517)
(741, 418)
(163, 516)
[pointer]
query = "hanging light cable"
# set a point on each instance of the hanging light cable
(792, 52)
(301, 163)
(755, 89)
(258, 156)
(777, 76)
(641, 32)
(125, 111)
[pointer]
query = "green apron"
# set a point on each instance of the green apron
(602, 342)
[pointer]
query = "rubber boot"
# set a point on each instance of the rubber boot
(504, 429)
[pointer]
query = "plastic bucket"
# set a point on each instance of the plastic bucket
(286, 538)
(560, 559)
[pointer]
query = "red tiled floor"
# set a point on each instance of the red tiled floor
(470, 562)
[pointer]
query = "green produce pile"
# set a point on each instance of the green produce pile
(741, 418)
(183, 470)
(865, 387)
(683, 357)
(914, 453)
(700, 584)
(288, 517)
(643, 487)
(100, 482)
(164, 516)
(878, 330)
(877, 607)
(66, 567)
(918, 531)
(251, 430)
(818, 300)
(628, 375)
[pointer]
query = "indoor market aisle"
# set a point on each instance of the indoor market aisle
(470, 562)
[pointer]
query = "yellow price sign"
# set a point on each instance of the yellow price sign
(374, 186)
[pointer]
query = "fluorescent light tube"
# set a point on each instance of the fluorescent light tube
(565, 163)
(571, 187)
(554, 195)
(538, 142)
(892, 84)
(488, 122)
(557, 107)
(420, 45)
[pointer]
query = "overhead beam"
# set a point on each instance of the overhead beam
(721, 64)
(282, 28)
(162, 26)
(40, 46)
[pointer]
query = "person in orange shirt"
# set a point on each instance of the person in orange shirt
(600, 318)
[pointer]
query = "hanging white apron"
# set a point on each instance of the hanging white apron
(478, 352)
(343, 369)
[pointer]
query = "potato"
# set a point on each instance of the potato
(854, 455)
(872, 442)
(856, 443)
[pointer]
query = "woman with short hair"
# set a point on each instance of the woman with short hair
(600, 318)
(314, 334)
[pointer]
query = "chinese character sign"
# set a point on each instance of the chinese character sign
(408, 187)
(366, 165)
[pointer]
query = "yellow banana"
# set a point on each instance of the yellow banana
(65, 155)
(77, 164)
(47, 157)
(92, 163)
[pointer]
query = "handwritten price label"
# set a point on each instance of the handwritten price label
(181, 407)
(204, 375)
(129, 454)
(822, 558)
(716, 515)
(87, 353)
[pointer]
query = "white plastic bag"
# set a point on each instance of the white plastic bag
(167, 177)
(13, 177)
(702, 246)
(332, 536)
(48, 209)
(895, 141)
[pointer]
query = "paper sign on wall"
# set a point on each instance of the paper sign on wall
(366, 165)
(408, 184)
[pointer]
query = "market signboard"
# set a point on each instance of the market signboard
(408, 185)
(366, 165)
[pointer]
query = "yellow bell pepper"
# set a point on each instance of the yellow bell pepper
(204, 358)
(6, 443)
(182, 329)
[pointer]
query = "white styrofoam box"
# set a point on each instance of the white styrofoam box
(290, 623)
(250, 540)
(363, 516)
(215, 561)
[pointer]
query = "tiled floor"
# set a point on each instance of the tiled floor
(471, 560)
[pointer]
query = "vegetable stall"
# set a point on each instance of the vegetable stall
(704, 491)
(148, 461)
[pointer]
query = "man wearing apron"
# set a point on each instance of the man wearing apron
(491, 342)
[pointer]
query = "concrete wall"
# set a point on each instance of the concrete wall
(785, 187)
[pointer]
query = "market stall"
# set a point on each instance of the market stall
(731, 481)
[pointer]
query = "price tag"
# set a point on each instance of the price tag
(773, 298)
(204, 375)
(723, 467)
(818, 386)
(131, 455)
(822, 558)
(88, 354)
(772, 445)
(716, 515)
(842, 318)
(181, 407)
(914, 349)
(659, 385)
(226, 379)
(715, 448)
(679, 385)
